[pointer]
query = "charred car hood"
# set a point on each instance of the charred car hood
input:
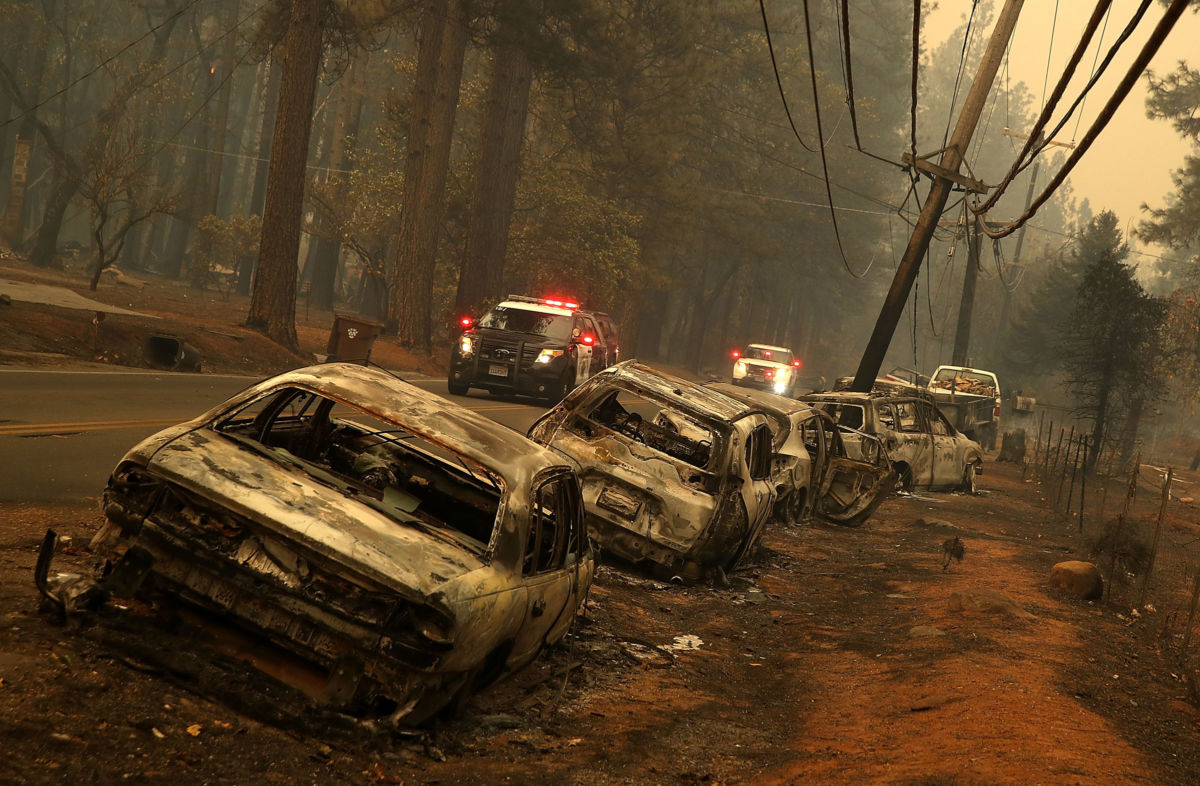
(324, 519)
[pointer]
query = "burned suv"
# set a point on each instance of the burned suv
(531, 346)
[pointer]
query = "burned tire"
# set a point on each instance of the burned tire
(457, 388)
(904, 478)
(969, 484)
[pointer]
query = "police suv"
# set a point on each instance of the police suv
(540, 347)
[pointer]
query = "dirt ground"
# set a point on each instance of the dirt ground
(210, 321)
(835, 657)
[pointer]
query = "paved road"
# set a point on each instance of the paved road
(61, 432)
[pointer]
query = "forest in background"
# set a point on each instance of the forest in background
(633, 154)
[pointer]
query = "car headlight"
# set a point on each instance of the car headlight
(739, 369)
(783, 374)
(466, 345)
(546, 355)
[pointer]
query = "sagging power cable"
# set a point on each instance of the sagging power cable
(1096, 75)
(778, 81)
(1149, 49)
(812, 70)
(1036, 143)
(848, 69)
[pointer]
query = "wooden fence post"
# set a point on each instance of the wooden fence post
(1037, 446)
(1130, 490)
(1162, 511)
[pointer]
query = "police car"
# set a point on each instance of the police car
(766, 367)
(540, 347)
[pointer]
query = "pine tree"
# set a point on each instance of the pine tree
(1106, 346)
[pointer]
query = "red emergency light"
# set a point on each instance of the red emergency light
(560, 303)
(768, 373)
(588, 339)
(766, 353)
(735, 354)
(466, 322)
(796, 363)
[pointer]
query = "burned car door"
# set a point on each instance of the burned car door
(758, 492)
(947, 463)
(908, 441)
(552, 562)
(851, 489)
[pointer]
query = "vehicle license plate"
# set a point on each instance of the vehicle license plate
(498, 371)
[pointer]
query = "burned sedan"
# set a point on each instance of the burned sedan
(926, 451)
(392, 550)
(812, 473)
(673, 473)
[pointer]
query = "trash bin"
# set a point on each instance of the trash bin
(351, 338)
(170, 352)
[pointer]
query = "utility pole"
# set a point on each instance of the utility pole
(945, 175)
(962, 335)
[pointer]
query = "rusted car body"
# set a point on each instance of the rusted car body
(392, 548)
(926, 451)
(812, 473)
(673, 473)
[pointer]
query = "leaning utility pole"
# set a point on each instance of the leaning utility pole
(945, 175)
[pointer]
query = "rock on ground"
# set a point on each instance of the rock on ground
(1081, 579)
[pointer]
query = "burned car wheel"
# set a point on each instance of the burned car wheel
(969, 484)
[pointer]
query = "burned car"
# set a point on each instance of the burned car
(392, 551)
(673, 473)
(810, 467)
(926, 451)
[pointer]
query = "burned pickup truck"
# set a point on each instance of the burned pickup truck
(389, 550)
(673, 473)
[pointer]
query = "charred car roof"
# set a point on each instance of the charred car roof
(503, 451)
(760, 399)
(705, 402)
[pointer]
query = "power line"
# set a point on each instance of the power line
(1050, 49)
(916, 56)
(1048, 107)
(962, 62)
(774, 65)
(1099, 45)
(1149, 49)
(812, 70)
(848, 68)
(103, 63)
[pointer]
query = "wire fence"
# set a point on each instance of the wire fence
(1136, 518)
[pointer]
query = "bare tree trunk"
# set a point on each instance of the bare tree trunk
(495, 192)
(273, 299)
(344, 125)
(266, 134)
(435, 98)
(45, 243)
